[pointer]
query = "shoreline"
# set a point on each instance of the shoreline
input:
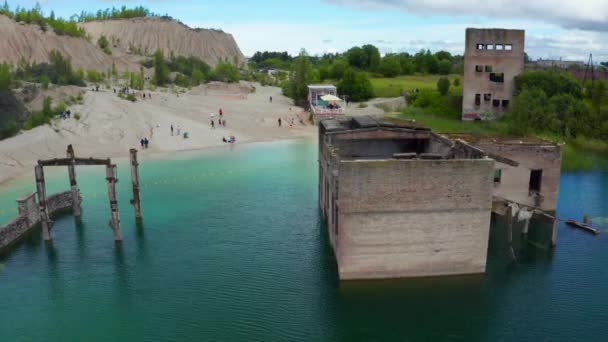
(24, 172)
(109, 126)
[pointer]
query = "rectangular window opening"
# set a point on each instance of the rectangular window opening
(480, 46)
(490, 47)
(508, 47)
(487, 97)
(488, 68)
(505, 103)
(499, 47)
(477, 99)
(497, 175)
(496, 103)
(479, 68)
(536, 177)
(497, 77)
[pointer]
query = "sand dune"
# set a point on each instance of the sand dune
(109, 126)
(31, 43)
(150, 34)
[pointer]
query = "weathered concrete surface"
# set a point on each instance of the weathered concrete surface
(514, 183)
(29, 217)
(412, 218)
(508, 62)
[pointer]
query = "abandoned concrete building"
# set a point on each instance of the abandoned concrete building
(402, 201)
(492, 59)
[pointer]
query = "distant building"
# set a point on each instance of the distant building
(557, 63)
(322, 109)
(493, 57)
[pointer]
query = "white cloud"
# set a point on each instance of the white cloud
(590, 15)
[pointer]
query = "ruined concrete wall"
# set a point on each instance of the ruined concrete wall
(29, 217)
(508, 62)
(515, 180)
(412, 218)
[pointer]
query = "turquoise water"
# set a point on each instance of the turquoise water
(232, 248)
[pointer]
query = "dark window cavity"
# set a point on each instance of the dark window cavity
(488, 68)
(497, 175)
(487, 97)
(536, 177)
(477, 99)
(480, 46)
(496, 103)
(479, 68)
(497, 77)
(505, 103)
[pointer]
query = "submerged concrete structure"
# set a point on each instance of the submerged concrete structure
(492, 59)
(402, 201)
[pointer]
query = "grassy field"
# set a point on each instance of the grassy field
(392, 87)
(577, 154)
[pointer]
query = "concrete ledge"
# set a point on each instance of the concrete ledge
(29, 217)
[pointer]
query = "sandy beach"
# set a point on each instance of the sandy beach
(109, 126)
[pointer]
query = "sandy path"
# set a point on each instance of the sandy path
(110, 126)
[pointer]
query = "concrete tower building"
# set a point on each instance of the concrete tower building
(492, 59)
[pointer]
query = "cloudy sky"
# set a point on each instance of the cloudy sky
(567, 29)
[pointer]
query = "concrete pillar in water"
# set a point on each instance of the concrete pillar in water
(73, 183)
(115, 219)
(41, 190)
(526, 227)
(554, 233)
(136, 201)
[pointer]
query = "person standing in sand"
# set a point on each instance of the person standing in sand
(171, 129)
(280, 122)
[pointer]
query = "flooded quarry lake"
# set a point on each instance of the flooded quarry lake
(232, 247)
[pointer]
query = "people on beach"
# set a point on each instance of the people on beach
(224, 139)
(171, 129)
(271, 99)
(221, 112)
(179, 130)
(142, 143)
(280, 122)
(212, 123)
(146, 142)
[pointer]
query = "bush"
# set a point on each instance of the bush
(225, 72)
(456, 82)
(443, 85)
(10, 129)
(131, 97)
(104, 44)
(76, 116)
(94, 76)
(44, 79)
(362, 105)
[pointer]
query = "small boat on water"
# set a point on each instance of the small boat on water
(583, 226)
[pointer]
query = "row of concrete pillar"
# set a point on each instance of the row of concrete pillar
(111, 179)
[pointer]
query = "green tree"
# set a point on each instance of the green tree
(5, 76)
(161, 72)
(373, 56)
(443, 85)
(356, 85)
(390, 66)
(529, 112)
(338, 68)
(444, 67)
(301, 76)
